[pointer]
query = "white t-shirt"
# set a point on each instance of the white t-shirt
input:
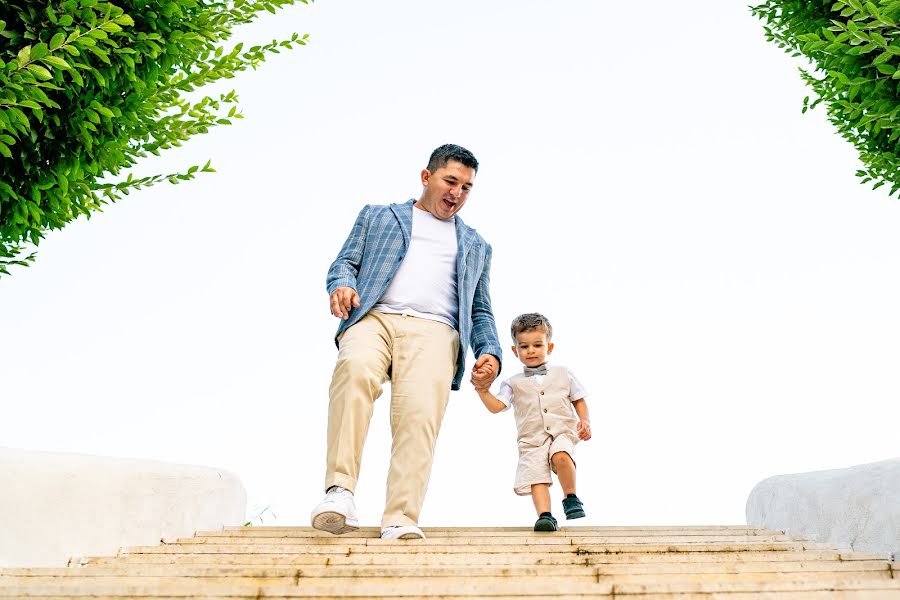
(425, 283)
(576, 390)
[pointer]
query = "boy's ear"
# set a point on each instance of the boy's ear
(515, 350)
(549, 347)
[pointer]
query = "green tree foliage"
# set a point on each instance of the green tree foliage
(87, 88)
(855, 49)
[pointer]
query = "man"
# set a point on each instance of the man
(411, 285)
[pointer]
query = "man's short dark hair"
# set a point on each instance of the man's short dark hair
(444, 154)
(530, 322)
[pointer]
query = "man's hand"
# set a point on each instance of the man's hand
(584, 430)
(485, 371)
(341, 301)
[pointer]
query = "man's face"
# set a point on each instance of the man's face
(446, 190)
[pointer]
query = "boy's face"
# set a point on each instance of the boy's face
(532, 347)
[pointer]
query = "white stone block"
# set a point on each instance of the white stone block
(57, 506)
(855, 508)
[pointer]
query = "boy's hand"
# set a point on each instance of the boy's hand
(341, 301)
(584, 430)
(485, 371)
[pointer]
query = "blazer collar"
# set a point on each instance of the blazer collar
(465, 235)
(403, 212)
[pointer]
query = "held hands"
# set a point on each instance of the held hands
(485, 371)
(341, 301)
(583, 428)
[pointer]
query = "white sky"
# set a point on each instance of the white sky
(714, 272)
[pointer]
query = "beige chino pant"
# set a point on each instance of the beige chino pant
(420, 357)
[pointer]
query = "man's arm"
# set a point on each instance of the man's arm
(341, 279)
(485, 342)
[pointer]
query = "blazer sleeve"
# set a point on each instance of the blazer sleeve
(345, 268)
(484, 338)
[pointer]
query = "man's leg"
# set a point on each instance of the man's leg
(423, 367)
(360, 371)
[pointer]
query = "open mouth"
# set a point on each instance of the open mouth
(449, 205)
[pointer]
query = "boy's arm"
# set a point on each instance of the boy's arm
(584, 419)
(491, 402)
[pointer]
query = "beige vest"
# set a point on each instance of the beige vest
(542, 410)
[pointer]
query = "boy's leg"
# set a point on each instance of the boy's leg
(540, 495)
(565, 471)
(360, 371)
(424, 361)
(562, 463)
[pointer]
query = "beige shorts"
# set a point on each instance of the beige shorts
(534, 461)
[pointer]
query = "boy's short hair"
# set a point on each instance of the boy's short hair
(529, 321)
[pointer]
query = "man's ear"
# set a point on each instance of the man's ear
(425, 175)
(549, 347)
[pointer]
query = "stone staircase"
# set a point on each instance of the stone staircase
(639, 563)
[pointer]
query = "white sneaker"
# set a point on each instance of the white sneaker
(402, 532)
(337, 513)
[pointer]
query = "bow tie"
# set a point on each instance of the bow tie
(541, 370)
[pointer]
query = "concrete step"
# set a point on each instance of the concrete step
(440, 546)
(850, 588)
(436, 532)
(521, 540)
(586, 562)
(428, 577)
(455, 558)
(858, 568)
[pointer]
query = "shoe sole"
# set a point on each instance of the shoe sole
(333, 522)
(575, 515)
(545, 528)
(405, 536)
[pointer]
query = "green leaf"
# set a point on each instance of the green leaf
(5, 151)
(56, 62)
(24, 56)
(40, 72)
(124, 20)
(57, 40)
(840, 77)
(20, 116)
(39, 51)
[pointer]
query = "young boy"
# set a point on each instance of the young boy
(542, 398)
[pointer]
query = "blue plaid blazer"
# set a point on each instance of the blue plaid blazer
(372, 254)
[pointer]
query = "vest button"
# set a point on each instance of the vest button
(542, 392)
(548, 428)
(545, 410)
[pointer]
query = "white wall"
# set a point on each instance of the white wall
(56, 506)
